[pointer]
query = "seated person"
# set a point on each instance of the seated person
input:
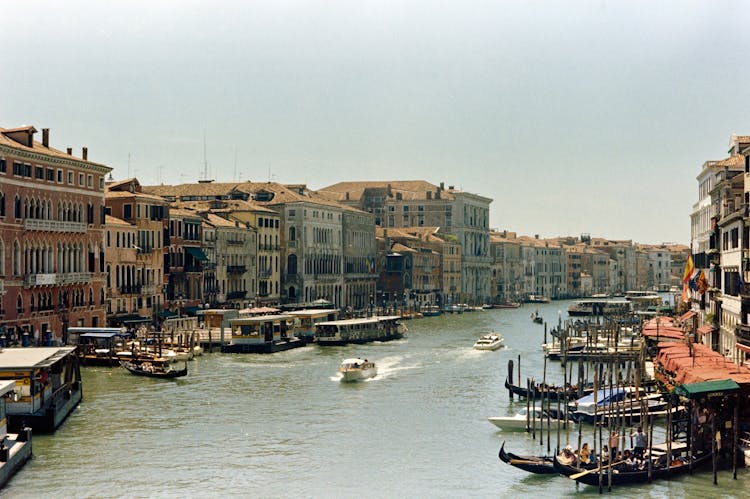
(566, 456)
(585, 454)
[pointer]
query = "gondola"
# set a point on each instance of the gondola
(551, 392)
(621, 476)
(540, 465)
(153, 370)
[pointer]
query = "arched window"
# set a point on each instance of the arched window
(16, 259)
(292, 233)
(291, 264)
(19, 304)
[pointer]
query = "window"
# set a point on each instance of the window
(90, 181)
(17, 168)
(80, 179)
(127, 211)
(70, 178)
(3, 166)
(39, 173)
(50, 174)
(59, 177)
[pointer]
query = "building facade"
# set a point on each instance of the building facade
(51, 238)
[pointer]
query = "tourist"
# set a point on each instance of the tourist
(640, 443)
(605, 454)
(567, 457)
(585, 454)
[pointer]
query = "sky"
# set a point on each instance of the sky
(573, 116)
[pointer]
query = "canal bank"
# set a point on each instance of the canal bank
(285, 426)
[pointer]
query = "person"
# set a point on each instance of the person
(567, 456)
(605, 454)
(640, 443)
(614, 438)
(585, 454)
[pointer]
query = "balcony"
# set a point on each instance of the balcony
(148, 289)
(236, 295)
(742, 332)
(56, 279)
(54, 226)
(236, 269)
(130, 290)
(235, 243)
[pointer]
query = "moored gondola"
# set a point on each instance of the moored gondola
(540, 465)
(624, 474)
(549, 392)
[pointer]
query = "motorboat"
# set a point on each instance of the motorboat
(489, 341)
(357, 369)
(520, 421)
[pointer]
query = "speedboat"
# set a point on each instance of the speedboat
(357, 369)
(522, 420)
(490, 341)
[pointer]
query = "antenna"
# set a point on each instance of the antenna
(205, 161)
(128, 165)
(235, 164)
(159, 179)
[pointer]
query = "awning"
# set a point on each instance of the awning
(695, 390)
(196, 253)
(706, 329)
(688, 315)
(165, 314)
(190, 310)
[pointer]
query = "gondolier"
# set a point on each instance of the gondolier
(640, 443)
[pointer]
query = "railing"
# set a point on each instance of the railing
(236, 269)
(742, 332)
(53, 225)
(148, 289)
(236, 295)
(130, 290)
(56, 279)
(235, 243)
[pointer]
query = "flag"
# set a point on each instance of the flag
(703, 282)
(689, 268)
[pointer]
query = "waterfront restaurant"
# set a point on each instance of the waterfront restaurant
(47, 386)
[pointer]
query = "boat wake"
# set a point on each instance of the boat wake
(389, 366)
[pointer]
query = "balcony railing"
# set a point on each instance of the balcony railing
(236, 295)
(130, 290)
(56, 279)
(742, 332)
(236, 269)
(235, 243)
(53, 225)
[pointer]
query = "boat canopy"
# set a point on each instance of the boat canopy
(105, 335)
(353, 361)
(604, 396)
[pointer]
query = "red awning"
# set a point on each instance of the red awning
(688, 315)
(706, 329)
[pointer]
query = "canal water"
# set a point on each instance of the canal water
(283, 425)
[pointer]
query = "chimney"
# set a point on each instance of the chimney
(85, 153)
(45, 137)
(70, 151)
(451, 187)
(390, 191)
(536, 236)
(442, 186)
(429, 194)
(347, 195)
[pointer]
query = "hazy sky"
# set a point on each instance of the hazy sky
(574, 116)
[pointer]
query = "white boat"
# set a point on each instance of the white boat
(520, 420)
(597, 307)
(490, 341)
(357, 369)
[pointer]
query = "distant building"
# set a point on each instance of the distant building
(399, 204)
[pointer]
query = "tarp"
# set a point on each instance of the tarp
(196, 253)
(695, 390)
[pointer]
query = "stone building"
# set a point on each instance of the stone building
(399, 204)
(134, 254)
(51, 238)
